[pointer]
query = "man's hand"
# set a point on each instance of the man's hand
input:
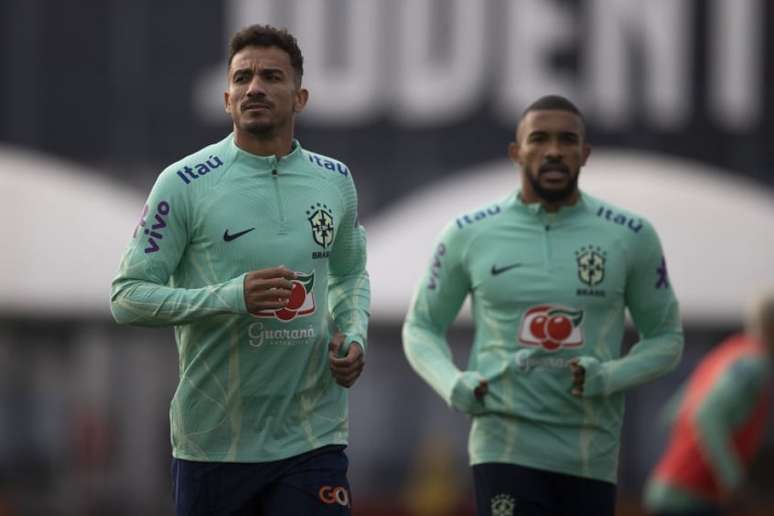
(578, 377)
(268, 289)
(345, 370)
(480, 391)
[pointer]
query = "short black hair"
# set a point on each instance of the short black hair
(553, 102)
(268, 36)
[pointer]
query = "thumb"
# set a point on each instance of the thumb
(335, 344)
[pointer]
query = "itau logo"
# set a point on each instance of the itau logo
(301, 302)
(552, 327)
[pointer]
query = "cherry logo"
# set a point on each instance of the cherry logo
(552, 327)
(301, 302)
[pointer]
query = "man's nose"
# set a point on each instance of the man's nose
(553, 151)
(256, 87)
(553, 155)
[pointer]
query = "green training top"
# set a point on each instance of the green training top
(252, 388)
(546, 288)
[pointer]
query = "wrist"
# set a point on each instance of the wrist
(463, 397)
(595, 381)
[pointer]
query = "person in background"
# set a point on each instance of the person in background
(251, 248)
(550, 271)
(717, 421)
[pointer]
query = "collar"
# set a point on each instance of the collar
(266, 162)
(536, 208)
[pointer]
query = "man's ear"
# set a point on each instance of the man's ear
(513, 151)
(302, 97)
(586, 152)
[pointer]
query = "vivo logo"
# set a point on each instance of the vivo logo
(154, 232)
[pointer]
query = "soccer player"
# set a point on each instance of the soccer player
(550, 270)
(251, 248)
(717, 423)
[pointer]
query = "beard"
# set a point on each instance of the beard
(264, 128)
(551, 195)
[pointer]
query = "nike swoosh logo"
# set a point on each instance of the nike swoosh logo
(499, 270)
(234, 236)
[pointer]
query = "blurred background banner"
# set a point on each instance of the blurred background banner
(420, 99)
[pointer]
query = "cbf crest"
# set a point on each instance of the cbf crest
(591, 261)
(591, 265)
(503, 505)
(321, 221)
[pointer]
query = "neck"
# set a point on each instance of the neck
(264, 145)
(529, 196)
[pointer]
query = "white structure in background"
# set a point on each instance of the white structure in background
(64, 230)
(66, 227)
(717, 229)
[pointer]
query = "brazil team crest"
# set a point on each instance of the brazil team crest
(321, 221)
(503, 505)
(591, 265)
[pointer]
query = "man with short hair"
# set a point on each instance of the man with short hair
(252, 249)
(717, 421)
(550, 271)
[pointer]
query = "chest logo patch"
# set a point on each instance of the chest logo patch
(321, 222)
(552, 327)
(301, 303)
(591, 265)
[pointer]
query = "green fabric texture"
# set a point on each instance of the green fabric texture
(727, 406)
(252, 388)
(546, 288)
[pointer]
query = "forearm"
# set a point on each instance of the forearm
(428, 353)
(646, 361)
(350, 299)
(142, 303)
(715, 443)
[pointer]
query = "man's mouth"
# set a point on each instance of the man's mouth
(554, 172)
(255, 106)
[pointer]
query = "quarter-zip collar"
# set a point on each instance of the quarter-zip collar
(536, 208)
(266, 162)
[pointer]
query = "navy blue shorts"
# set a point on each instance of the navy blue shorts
(508, 490)
(309, 484)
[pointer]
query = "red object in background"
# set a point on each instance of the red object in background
(91, 442)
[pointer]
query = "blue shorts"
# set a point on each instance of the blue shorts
(313, 483)
(508, 489)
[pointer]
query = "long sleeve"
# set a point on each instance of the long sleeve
(654, 310)
(726, 406)
(671, 408)
(349, 288)
(436, 303)
(142, 292)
